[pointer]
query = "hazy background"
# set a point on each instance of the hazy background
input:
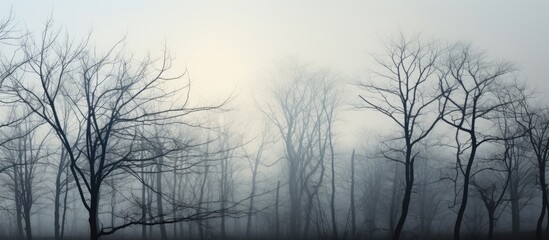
(231, 48)
(234, 46)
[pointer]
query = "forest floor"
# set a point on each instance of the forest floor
(498, 236)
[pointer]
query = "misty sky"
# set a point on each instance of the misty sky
(233, 45)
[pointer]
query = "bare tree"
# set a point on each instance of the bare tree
(492, 197)
(515, 152)
(471, 88)
(111, 95)
(403, 93)
(302, 111)
(491, 186)
(25, 153)
(62, 184)
(536, 122)
(254, 162)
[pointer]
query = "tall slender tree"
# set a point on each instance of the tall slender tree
(403, 93)
(471, 90)
(302, 110)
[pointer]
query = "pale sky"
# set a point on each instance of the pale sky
(233, 45)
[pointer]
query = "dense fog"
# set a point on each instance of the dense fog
(433, 132)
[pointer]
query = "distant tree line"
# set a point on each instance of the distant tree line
(100, 132)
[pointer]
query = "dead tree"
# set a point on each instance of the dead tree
(491, 183)
(470, 89)
(403, 93)
(26, 153)
(302, 109)
(111, 96)
(62, 186)
(536, 122)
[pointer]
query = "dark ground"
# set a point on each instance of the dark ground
(499, 236)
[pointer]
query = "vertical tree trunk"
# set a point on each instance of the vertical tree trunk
(57, 197)
(149, 211)
(409, 183)
(223, 222)
(64, 215)
(224, 193)
(544, 201)
(56, 204)
(93, 211)
(56, 211)
(393, 208)
(144, 202)
(277, 218)
(18, 201)
(405, 205)
(491, 224)
(27, 215)
(252, 192)
(174, 200)
(515, 207)
(27, 186)
(200, 200)
(461, 211)
(332, 200)
(113, 202)
(159, 204)
(295, 203)
(353, 211)
(465, 194)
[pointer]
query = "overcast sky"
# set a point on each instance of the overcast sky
(232, 45)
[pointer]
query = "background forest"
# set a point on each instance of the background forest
(99, 139)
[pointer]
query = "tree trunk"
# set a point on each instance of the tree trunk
(332, 200)
(251, 206)
(277, 220)
(393, 207)
(18, 201)
(353, 212)
(28, 229)
(56, 206)
(113, 202)
(308, 213)
(64, 215)
(409, 175)
(94, 204)
(200, 200)
(465, 195)
(57, 197)
(544, 200)
(159, 204)
(515, 207)
(223, 222)
(144, 202)
(295, 203)
(491, 224)
(174, 190)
